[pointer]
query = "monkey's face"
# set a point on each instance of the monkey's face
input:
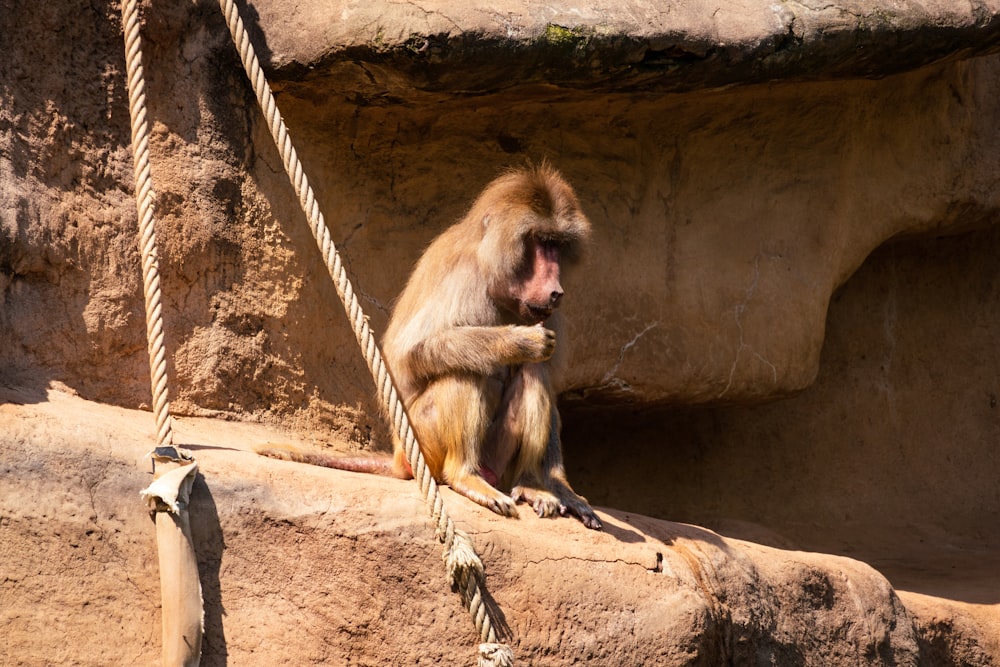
(534, 291)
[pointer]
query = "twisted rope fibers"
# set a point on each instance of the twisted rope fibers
(147, 234)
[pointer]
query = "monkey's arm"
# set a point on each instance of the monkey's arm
(479, 350)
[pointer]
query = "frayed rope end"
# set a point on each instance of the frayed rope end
(496, 655)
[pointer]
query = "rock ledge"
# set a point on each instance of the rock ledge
(302, 565)
(604, 45)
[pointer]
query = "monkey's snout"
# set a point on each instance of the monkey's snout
(555, 298)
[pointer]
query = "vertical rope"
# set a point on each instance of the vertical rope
(464, 565)
(147, 234)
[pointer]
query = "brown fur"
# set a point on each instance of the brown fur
(470, 346)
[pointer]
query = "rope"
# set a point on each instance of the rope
(462, 562)
(147, 234)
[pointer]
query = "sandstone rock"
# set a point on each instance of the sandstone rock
(674, 45)
(725, 211)
(302, 565)
(889, 457)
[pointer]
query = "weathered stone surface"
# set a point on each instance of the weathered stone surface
(890, 457)
(604, 45)
(302, 565)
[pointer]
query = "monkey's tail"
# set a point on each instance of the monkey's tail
(373, 464)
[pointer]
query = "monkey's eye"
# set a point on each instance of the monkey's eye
(552, 247)
(547, 242)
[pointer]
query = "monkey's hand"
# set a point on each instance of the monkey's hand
(533, 344)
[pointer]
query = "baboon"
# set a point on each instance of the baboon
(470, 345)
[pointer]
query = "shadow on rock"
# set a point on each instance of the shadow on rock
(209, 543)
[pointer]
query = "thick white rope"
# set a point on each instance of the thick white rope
(147, 234)
(463, 564)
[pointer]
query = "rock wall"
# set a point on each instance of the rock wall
(895, 436)
(730, 216)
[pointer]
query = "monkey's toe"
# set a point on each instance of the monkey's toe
(478, 490)
(580, 508)
(546, 507)
(544, 503)
(504, 507)
(590, 520)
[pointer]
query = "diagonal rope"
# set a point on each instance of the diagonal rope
(147, 234)
(464, 565)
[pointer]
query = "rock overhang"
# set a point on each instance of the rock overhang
(675, 46)
(747, 205)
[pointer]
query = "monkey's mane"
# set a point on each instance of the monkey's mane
(534, 202)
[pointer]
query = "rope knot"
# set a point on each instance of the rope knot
(495, 655)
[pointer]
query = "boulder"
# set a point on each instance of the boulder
(303, 565)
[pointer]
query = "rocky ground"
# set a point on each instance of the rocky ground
(302, 565)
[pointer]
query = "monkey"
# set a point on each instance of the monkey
(471, 346)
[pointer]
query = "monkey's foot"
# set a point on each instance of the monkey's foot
(478, 490)
(543, 502)
(546, 503)
(586, 514)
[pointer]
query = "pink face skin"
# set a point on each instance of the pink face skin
(538, 291)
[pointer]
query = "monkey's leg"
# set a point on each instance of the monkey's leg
(541, 477)
(519, 437)
(450, 418)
